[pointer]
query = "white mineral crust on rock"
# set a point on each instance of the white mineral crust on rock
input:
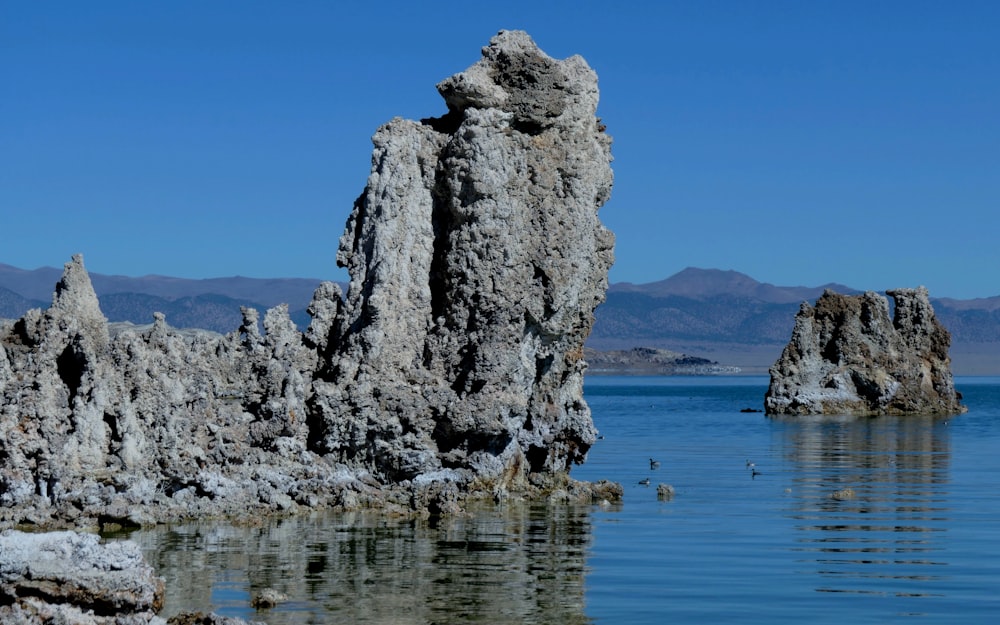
(66, 577)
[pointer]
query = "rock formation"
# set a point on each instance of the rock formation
(74, 579)
(452, 368)
(476, 260)
(65, 577)
(847, 355)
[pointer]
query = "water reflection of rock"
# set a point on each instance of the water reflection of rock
(870, 502)
(524, 565)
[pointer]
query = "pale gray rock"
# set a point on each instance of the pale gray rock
(66, 577)
(847, 355)
(452, 368)
(476, 260)
(324, 309)
(153, 424)
(4, 366)
(267, 598)
(74, 579)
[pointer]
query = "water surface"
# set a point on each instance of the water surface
(849, 520)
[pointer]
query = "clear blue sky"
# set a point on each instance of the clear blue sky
(798, 142)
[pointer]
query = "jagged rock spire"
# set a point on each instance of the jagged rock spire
(476, 259)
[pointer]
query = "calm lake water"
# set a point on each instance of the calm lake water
(916, 540)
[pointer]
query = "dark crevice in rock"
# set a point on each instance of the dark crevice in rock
(19, 336)
(445, 436)
(55, 593)
(438, 278)
(527, 126)
(70, 367)
(536, 457)
(112, 423)
(489, 443)
(315, 430)
(831, 350)
(448, 123)
(542, 366)
(866, 388)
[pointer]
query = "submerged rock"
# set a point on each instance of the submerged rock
(848, 356)
(267, 598)
(665, 492)
(843, 494)
(200, 618)
(452, 368)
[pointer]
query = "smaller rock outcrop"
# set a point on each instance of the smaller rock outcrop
(66, 577)
(70, 578)
(847, 355)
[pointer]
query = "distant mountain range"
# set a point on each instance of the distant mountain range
(701, 305)
(733, 319)
(724, 316)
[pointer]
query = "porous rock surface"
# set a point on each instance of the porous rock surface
(848, 356)
(476, 260)
(452, 369)
(71, 578)
(66, 577)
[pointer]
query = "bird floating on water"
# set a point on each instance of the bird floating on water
(750, 465)
(654, 464)
(644, 482)
(754, 473)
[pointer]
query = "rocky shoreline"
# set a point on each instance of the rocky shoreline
(651, 361)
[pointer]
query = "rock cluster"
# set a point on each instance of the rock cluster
(129, 425)
(847, 355)
(452, 368)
